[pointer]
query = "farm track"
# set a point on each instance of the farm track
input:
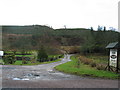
(44, 76)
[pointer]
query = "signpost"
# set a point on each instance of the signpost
(113, 56)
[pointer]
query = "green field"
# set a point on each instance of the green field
(84, 70)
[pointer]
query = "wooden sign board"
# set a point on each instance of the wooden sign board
(1, 53)
(113, 57)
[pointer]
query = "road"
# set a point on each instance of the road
(44, 76)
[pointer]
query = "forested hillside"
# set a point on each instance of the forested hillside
(34, 36)
(31, 29)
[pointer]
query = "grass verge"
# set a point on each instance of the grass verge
(84, 70)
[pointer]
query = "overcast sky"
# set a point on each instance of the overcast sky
(57, 13)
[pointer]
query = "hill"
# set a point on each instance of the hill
(33, 36)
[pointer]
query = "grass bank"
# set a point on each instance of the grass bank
(84, 70)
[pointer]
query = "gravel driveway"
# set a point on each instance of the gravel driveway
(44, 76)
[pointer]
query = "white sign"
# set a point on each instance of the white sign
(1, 53)
(113, 57)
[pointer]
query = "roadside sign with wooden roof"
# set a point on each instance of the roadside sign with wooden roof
(113, 57)
(114, 45)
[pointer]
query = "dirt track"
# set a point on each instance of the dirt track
(44, 76)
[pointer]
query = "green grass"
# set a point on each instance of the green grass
(84, 70)
(37, 63)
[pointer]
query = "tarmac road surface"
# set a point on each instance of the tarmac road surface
(44, 76)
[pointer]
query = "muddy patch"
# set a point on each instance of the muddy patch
(28, 76)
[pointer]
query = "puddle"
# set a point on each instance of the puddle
(43, 76)
(31, 75)
(21, 79)
(27, 77)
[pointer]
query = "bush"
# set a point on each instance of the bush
(85, 60)
(42, 55)
(9, 59)
(100, 67)
(24, 62)
(51, 59)
(93, 64)
(90, 62)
